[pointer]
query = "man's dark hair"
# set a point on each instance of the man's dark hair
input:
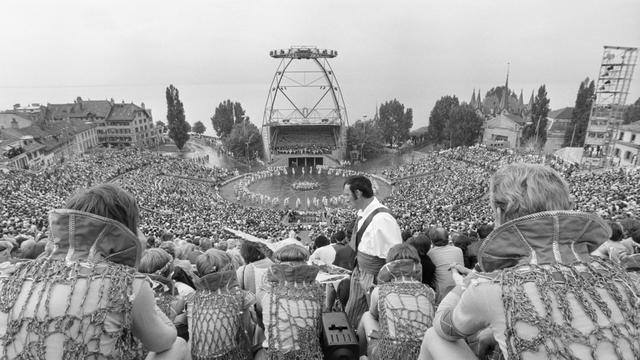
(250, 251)
(484, 230)
(338, 237)
(359, 182)
(438, 236)
(320, 241)
(616, 231)
(421, 243)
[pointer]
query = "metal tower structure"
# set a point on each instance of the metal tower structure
(612, 88)
(304, 92)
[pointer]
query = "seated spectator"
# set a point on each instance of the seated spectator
(158, 265)
(541, 295)
(219, 313)
(251, 277)
(402, 308)
(108, 309)
(472, 250)
(422, 244)
(292, 306)
(443, 256)
(613, 248)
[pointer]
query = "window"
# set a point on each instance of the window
(621, 135)
(627, 155)
(617, 153)
(633, 137)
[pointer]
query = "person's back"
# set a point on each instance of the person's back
(540, 294)
(56, 311)
(406, 308)
(443, 255)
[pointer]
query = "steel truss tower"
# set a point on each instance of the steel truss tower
(304, 91)
(614, 79)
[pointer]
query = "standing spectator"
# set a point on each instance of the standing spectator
(443, 256)
(375, 232)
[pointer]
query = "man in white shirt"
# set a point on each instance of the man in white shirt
(375, 232)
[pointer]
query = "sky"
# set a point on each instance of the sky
(412, 51)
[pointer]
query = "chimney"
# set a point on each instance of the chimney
(142, 105)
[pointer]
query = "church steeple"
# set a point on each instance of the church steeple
(504, 102)
(479, 102)
(473, 99)
(531, 101)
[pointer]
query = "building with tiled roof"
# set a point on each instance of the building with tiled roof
(128, 125)
(626, 147)
(46, 144)
(119, 125)
(557, 123)
(503, 131)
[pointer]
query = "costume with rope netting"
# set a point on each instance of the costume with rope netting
(406, 310)
(295, 309)
(81, 327)
(555, 284)
(76, 302)
(216, 326)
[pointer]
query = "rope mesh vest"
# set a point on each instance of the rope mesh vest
(589, 284)
(295, 309)
(81, 327)
(165, 294)
(215, 326)
(406, 312)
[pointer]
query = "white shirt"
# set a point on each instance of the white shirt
(382, 234)
(326, 254)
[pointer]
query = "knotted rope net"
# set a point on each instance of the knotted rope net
(89, 292)
(406, 312)
(294, 328)
(215, 325)
(564, 295)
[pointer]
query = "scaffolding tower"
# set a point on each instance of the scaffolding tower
(304, 92)
(612, 88)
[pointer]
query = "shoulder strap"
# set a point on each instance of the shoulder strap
(368, 220)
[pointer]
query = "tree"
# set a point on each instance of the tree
(439, 118)
(465, 126)
(632, 113)
(365, 137)
(199, 128)
(244, 140)
(225, 116)
(394, 122)
(577, 130)
(160, 123)
(537, 130)
(178, 126)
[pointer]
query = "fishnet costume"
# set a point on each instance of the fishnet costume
(295, 310)
(81, 325)
(215, 325)
(406, 312)
(165, 294)
(555, 284)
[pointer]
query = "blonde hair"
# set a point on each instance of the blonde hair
(521, 189)
(291, 252)
(156, 261)
(212, 261)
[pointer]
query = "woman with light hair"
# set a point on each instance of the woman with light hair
(220, 314)
(292, 306)
(158, 265)
(540, 294)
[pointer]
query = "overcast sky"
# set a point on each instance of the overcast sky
(415, 51)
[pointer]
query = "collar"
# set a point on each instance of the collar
(548, 237)
(218, 280)
(404, 269)
(78, 235)
(374, 204)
